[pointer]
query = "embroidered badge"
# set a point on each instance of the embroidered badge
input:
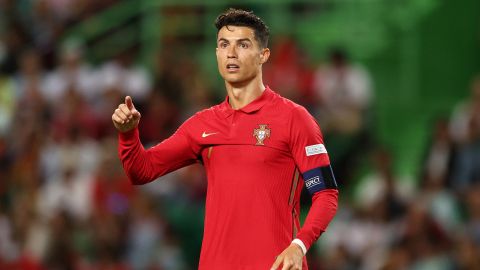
(261, 134)
(315, 149)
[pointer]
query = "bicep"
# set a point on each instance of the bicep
(309, 152)
(171, 154)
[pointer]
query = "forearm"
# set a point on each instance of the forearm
(134, 158)
(323, 209)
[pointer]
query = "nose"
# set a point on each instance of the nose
(232, 52)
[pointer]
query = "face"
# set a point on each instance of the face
(239, 56)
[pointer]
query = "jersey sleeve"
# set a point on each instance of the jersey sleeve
(311, 158)
(143, 166)
(306, 142)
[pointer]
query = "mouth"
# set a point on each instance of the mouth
(232, 67)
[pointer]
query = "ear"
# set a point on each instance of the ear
(264, 55)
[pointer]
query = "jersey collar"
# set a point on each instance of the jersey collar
(251, 107)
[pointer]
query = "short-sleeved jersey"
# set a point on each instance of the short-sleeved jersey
(255, 159)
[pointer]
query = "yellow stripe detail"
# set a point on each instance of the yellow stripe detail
(294, 187)
(209, 151)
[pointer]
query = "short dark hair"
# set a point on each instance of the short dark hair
(240, 17)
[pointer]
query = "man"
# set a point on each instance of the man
(255, 147)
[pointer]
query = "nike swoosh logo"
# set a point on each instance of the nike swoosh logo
(208, 134)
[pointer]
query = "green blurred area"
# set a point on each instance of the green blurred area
(422, 75)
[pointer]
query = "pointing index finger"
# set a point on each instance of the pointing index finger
(129, 102)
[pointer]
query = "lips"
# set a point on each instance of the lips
(233, 67)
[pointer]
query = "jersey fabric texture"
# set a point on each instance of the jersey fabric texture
(255, 159)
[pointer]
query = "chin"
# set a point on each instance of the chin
(237, 78)
(237, 83)
(233, 78)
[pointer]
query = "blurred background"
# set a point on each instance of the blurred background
(394, 85)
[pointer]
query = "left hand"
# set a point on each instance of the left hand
(291, 258)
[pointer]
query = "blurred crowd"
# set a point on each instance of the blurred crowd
(65, 202)
(432, 223)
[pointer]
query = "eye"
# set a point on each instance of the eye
(243, 45)
(223, 45)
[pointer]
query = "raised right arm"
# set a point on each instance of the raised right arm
(143, 166)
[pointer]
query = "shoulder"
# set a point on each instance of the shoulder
(202, 117)
(289, 107)
(208, 113)
(294, 115)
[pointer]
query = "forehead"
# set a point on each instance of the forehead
(231, 32)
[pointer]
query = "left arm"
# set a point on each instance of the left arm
(311, 157)
(323, 209)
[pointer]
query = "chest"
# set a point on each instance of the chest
(255, 130)
(245, 139)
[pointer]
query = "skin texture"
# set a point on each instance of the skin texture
(126, 117)
(290, 259)
(236, 45)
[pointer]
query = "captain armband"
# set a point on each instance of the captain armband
(319, 179)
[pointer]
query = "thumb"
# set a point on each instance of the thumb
(129, 103)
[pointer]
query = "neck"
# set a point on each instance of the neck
(241, 95)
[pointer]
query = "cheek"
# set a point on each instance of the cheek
(245, 57)
(219, 60)
(220, 54)
(254, 61)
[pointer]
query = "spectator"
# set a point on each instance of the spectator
(383, 186)
(464, 113)
(345, 93)
(289, 73)
(440, 156)
(71, 73)
(123, 74)
(467, 168)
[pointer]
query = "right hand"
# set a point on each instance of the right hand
(126, 117)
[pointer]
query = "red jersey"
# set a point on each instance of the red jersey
(255, 159)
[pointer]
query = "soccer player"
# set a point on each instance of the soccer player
(259, 150)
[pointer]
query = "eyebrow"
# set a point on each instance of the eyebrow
(239, 40)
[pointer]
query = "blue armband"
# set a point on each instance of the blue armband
(319, 179)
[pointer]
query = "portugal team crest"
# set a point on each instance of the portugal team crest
(261, 134)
